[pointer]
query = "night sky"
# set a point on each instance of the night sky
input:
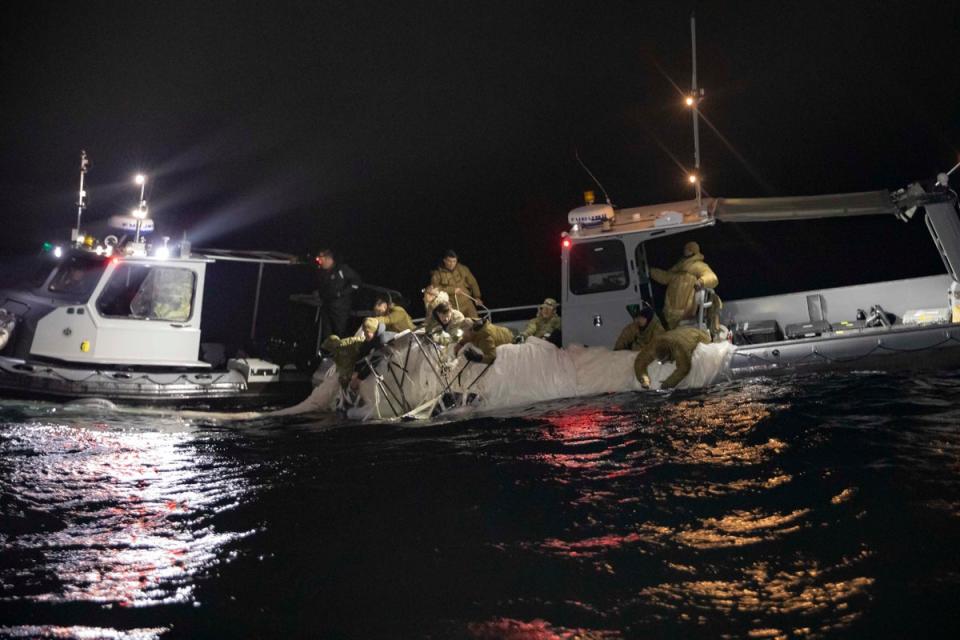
(391, 131)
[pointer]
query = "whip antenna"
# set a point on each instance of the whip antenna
(693, 101)
(590, 173)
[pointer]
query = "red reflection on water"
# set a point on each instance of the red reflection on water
(579, 423)
(590, 546)
(537, 629)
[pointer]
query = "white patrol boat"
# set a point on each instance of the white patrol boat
(119, 319)
(902, 323)
(881, 325)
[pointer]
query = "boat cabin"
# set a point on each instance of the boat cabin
(136, 310)
(139, 310)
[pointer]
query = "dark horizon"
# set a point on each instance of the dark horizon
(391, 133)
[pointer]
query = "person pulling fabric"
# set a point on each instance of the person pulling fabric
(677, 346)
(345, 353)
(448, 324)
(372, 350)
(393, 316)
(432, 298)
(481, 339)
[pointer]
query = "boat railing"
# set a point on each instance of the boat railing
(506, 316)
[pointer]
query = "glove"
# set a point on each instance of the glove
(473, 355)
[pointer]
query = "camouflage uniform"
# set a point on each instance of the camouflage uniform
(681, 281)
(635, 338)
(540, 326)
(459, 277)
(487, 338)
(397, 319)
(345, 352)
(678, 346)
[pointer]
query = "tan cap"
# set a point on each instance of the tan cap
(691, 249)
(549, 302)
(371, 325)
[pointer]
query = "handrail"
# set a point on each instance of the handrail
(500, 310)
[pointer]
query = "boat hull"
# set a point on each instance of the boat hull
(214, 389)
(928, 347)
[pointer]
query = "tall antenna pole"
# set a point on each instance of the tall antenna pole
(695, 109)
(141, 211)
(81, 203)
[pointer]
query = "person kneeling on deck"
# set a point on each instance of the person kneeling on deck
(481, 339)
(345, 353)
(394, 317)
(683, 280)
(546, 325)
(371, 352)
(678, 346)
(448, 325)
(638, 334)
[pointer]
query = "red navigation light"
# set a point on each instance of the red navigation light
(566, 243)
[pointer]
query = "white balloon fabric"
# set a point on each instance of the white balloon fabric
(418, 375)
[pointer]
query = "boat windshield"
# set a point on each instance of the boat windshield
(77, 276)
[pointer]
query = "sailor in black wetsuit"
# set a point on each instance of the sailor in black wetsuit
(337, 283)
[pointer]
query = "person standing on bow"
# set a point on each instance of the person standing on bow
(683, 280)
(337, 284)
(458, 282)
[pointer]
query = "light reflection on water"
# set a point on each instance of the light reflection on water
(758, 510)
(679, 458)
(110, 516)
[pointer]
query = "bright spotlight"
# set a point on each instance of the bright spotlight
(162, 252)
(692, 178)
(689, 101)
(58, 252)
(140, 179)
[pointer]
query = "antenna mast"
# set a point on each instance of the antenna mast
(696, 94)
(81, 201)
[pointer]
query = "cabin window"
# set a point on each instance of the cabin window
(598, 266)
(143, 292)
(76, 276)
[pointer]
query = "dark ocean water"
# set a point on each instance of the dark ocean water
(817, 507)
